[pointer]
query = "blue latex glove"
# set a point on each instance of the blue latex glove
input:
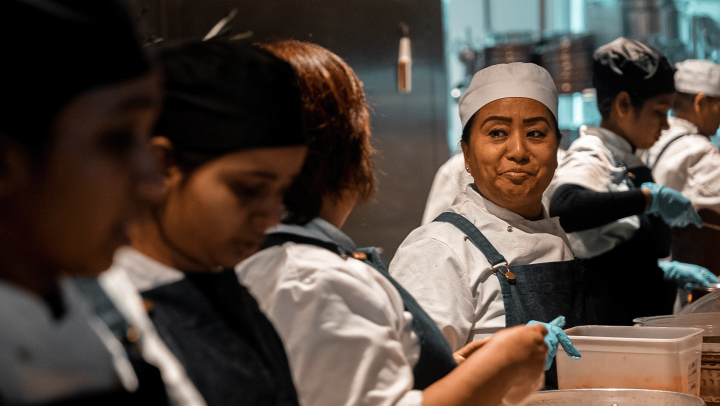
(687, 274)
(674, 208)
(556, 336)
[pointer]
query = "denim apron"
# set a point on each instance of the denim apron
(539, 292)
(626, 282)
(436, 357)
(151, 389)
(228, 348)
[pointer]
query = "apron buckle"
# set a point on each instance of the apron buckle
(508, 274)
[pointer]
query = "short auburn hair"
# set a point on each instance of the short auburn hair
(336, 123)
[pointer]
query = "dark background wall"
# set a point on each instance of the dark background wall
(409, 130)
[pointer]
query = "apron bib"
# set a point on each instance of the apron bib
(436, 357)
(228, 348)
(539, 292)
(626, 282)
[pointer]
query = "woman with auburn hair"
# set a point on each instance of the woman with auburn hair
(353, 335)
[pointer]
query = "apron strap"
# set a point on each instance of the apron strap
(475, 236)
(662, 151)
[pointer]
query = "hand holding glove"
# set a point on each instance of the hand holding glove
(556, 336)
(674, 208)
(687, 274)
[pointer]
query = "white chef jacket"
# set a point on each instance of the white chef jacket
(453, 281)
(598, 161)
(44, 359)
(127, 299)
(690, 165)
(347, 336)
(450, 180)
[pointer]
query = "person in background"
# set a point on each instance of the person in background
(617, 218)
(476, 269)
(230, 142)
(684, 159)
(354, 335)
(80, 104)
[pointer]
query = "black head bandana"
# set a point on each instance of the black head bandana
(223, 96)
(631, 66)
(53, 50)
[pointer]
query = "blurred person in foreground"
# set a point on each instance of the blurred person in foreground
(81, 102)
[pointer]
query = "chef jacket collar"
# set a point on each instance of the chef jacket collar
(144, 272)
(497, 211)
(318, 229)
(617, 145)
(682, 126)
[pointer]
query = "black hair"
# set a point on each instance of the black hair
(605, 102)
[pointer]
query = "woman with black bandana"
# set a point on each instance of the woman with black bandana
(230, 142)
(617, 219)
(81, 102)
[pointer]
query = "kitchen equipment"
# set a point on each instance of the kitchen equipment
(634, 358)
(711, 304)
(612, 397)
(710, 356)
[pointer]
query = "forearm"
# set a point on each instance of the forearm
(479, 381)
(580, 209)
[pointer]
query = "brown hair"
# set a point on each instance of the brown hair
(336, 123)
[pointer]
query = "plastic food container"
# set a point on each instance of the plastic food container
(612, 397)
(710, 357)
(657, 358)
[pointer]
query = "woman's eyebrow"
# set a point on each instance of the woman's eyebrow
(497, 118)
(535, 119)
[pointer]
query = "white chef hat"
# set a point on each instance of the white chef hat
(695, 76)
(515, 79)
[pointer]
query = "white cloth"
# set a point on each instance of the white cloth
(453, 281)
(696, 76)
(347, 336)
(690, 165)
(451, 180)
(43, 358)
(127, 299)
(598, 161)
(517, 79)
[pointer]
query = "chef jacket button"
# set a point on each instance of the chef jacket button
(133, 334)
(509, 229)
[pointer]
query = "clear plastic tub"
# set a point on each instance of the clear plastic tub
(657, 358)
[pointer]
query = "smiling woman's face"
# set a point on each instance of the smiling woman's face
(512, 153)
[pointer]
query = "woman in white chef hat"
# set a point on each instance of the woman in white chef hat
(495, 258)
(686, 160)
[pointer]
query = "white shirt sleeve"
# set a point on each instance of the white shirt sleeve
(703, 183)
(434, 275)
(347, 336)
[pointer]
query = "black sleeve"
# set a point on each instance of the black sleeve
(581, 209)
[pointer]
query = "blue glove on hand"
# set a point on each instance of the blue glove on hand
(554, 336)
(674, 208)
(687, 274)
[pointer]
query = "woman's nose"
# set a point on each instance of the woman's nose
(516, 149)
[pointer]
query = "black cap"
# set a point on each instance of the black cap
(224, 96)
(631, 66)
(55, 49)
